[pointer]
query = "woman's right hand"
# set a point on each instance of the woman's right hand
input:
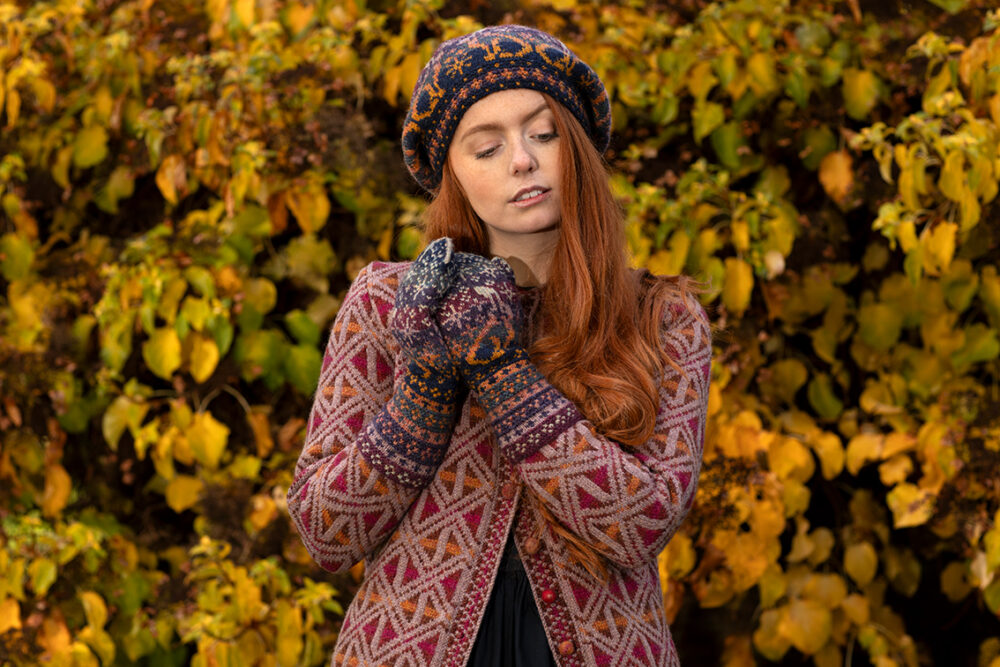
(413, 321)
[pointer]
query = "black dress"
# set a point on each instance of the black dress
(511, 634)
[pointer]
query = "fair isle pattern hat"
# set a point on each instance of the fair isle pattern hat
(466, 69)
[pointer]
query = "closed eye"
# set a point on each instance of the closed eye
(486, 153)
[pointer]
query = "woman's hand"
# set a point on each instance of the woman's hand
(417, 300)
(481, 317)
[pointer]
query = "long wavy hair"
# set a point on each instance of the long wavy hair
(601, 323)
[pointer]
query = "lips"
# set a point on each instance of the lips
(528, 194)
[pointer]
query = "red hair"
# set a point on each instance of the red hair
(601, 323)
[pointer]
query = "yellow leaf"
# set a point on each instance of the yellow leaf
(244, 10)
(309, 204)
(207, 437)
(94, 608)
(768, 638)
(45, 94)
(836, 175)
(828, 589)
(43, 574)
(54, 636)
(298, 16)
(895, 469)
(954, 583)
(182, 492)
(862, 448)
(171, 178)
(861, 562)
(738, 285)
(856, 608)
(763, 78)
(822, 539)
(204, 356)
(678, 559)
(772, 585)
(910, 505)
(807, 625)
(162, 352)
(57, 488)
(60, 166)
(263, 511)
(789, 459)
(13, 107)
(896, 443)
(951, 182)
(261, 427)
(10, 615)
(830, 451)
(90, 146)
(861, 90)
(409, 71)
(938, 244)
(738, 652)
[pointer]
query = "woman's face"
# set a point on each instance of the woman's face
(505, 155)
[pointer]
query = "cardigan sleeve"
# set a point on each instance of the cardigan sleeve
(342, 505)
(628, 502)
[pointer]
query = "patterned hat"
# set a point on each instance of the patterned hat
(466, 69)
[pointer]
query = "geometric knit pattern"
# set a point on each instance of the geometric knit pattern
(466, 69)
(431, 552)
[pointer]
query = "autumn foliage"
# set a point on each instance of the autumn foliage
(187, 188)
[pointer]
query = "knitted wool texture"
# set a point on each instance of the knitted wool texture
(481, 319)
(431, 552)
(466, 69)
(409, 437)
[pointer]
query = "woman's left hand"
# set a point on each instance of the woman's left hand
(481, 317)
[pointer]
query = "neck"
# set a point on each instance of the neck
(529, 255)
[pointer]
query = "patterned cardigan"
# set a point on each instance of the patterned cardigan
(431, 554)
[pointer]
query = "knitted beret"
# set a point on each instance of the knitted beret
(466, 69)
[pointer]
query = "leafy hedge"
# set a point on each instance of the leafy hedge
(187, 188)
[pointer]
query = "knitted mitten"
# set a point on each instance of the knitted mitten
(481, 319)
(413, 430)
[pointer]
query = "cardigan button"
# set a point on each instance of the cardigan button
(566, 648)
(548, 595)
(508, 490)
(531, 546)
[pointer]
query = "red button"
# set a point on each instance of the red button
(508, 490)
(531, 546)
(566, 648)
(548, 595)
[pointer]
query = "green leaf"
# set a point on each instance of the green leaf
(16, 257)
(302, 328)
(707, 116)
(879, 326)
(260, 354)
(981, 345)
(43, 574)
(311, 261)
(727, 141)
(861, 92)
(302, 365)
(409, 242)
(201, 280)
(162, 352)
(817, 142)
(253, 221)
(950, 6)
(90, 146)
(822, 397)
(120, 185)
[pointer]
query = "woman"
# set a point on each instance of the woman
(507, 443)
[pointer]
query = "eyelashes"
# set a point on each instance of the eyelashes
(543, 137)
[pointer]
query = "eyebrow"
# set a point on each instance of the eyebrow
(496, 127)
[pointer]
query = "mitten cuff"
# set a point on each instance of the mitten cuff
(525, 410)
(409, 437)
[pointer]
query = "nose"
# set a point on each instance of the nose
(522, 159)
